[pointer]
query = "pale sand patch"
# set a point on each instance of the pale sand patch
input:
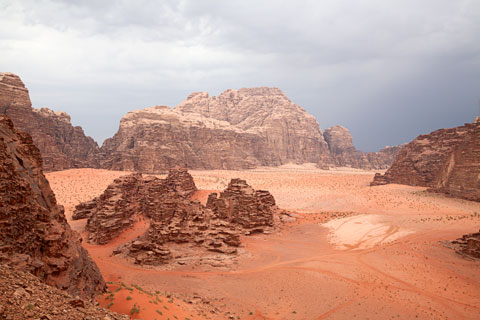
(363, 232)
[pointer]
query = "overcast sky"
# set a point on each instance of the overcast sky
(387, 70)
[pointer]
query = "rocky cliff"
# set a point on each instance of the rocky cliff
(158, 138)
(62, 145)
(35, 236)
(290, 134)
(446, 160)
(468, 245)
(344, 153)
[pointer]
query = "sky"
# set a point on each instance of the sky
(386, 70)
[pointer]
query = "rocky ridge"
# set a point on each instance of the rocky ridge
(446, 160)
(61, 145)
(35, 235)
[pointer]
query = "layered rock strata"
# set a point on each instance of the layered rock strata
(446, 160)
(344, 153)
(35, 236)
(23, 296)
(61, 145)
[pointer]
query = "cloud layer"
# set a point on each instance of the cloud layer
(386, 70)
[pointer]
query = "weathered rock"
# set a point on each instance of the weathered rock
(35, 236)
(120, 205)
(446, 160)
(468, 245)
(344, 153)
(290, 133)
(242, 205)
(179, 220)
(460, 175)
(23, 296)
(61, 145)
(236, 130)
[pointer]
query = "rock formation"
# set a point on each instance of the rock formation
(344, 154)
(23, 296)
(468, 245)
(119, 206)
(61, 145)
(174, 218)
(290, 134)
(35, 236)
(446, 160)
(242, 205)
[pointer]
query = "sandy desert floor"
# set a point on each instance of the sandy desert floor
(379, 257)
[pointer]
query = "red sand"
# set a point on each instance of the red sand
(297, 273)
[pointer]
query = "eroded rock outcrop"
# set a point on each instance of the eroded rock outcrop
(35, 236)
(446, 160)
(240, 204)
(468, 245)
(120, 205)
(344, 153)
(61, 145)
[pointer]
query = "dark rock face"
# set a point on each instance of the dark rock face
(19, 289)
(344, 154)
(35, 236)
(61, 145)
(446, 160)
(468, 245)
(242, 205)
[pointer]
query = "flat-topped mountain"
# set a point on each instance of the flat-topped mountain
(62, 145)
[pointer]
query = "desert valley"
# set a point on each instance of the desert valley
(233, 207)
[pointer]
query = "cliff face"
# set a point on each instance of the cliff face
(446, 160)
(35, 236)
(291, 134)
(61, 145)
(158, 138)
(236, 130)
(460, 175)
(344, 153)
(421, 161)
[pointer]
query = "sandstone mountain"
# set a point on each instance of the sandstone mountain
(344, 154)
(62, 146)
(446, 160)
(468, 245)
(35, 236)
(239, 129)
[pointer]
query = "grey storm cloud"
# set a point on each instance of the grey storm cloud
(387, 70)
